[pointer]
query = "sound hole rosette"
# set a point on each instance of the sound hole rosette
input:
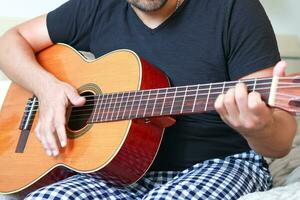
(77, 117)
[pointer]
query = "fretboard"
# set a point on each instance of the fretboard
(167, 101)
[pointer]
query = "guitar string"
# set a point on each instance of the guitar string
(117, 96)
(219, 83)
(133, 117)
(290, 96)
(158, 92)
(167, 107)
(119, 106)
(111, 95)
(138, 100)
(169, 88)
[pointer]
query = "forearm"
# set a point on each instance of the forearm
(275, 140)
(18, 62)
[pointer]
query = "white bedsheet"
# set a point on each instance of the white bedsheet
(289, 192)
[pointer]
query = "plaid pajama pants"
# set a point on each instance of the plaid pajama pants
(228, 178)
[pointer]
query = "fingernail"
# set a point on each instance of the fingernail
(49, 153)
(55, 153)
(63, 143)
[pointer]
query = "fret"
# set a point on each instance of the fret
(262, 84)
(104, 106)
(95, 108)
(223, 87)
(199, 100)
(263, 87)
(254, 85)
(179, 96)
(116, 100)
(189, 100)
(99, 108)
(147, 101)
(160, 102)
(126, 103)
(251, 85)
(215, 91)
(132, 104)
(109, 106)
(168, 101)
(155, 101)
(164, 101)
(230, 85)
(120, 105)
(183, 102)
(207, 97)
(141, 96)
(174, 98)
(194, 105)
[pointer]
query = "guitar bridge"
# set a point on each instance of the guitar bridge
(26, 123)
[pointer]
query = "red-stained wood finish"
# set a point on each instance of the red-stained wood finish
(123, 149)
(143, 140)
(123, 123)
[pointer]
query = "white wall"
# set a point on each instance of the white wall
(284, 15)
(27, 8)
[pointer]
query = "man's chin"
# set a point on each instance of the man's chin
(148, 5)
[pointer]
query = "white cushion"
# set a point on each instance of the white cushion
(290, 192)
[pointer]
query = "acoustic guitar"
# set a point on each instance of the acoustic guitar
(117, 133)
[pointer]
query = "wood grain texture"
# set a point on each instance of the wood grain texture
(118, 71)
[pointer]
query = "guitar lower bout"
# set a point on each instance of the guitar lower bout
(112, 149)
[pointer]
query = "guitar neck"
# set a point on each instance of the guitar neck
(168, 101)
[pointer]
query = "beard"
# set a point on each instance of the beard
(148, 5)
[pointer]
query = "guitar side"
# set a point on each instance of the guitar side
(113, 149)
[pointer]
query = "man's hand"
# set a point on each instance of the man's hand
(17, 60)
(53, 101)
(270, 131)
(246, 113)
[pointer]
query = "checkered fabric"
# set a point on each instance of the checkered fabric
(228, 178)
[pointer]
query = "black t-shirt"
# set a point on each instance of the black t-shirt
(204, 41)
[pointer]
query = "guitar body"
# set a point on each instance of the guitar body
(119, 148)
(120, 151)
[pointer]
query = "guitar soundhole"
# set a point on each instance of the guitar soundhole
(80, 115)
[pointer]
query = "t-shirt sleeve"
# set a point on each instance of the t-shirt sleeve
(251, 42)
(72, 23)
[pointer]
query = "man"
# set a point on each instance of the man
(192, 41)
